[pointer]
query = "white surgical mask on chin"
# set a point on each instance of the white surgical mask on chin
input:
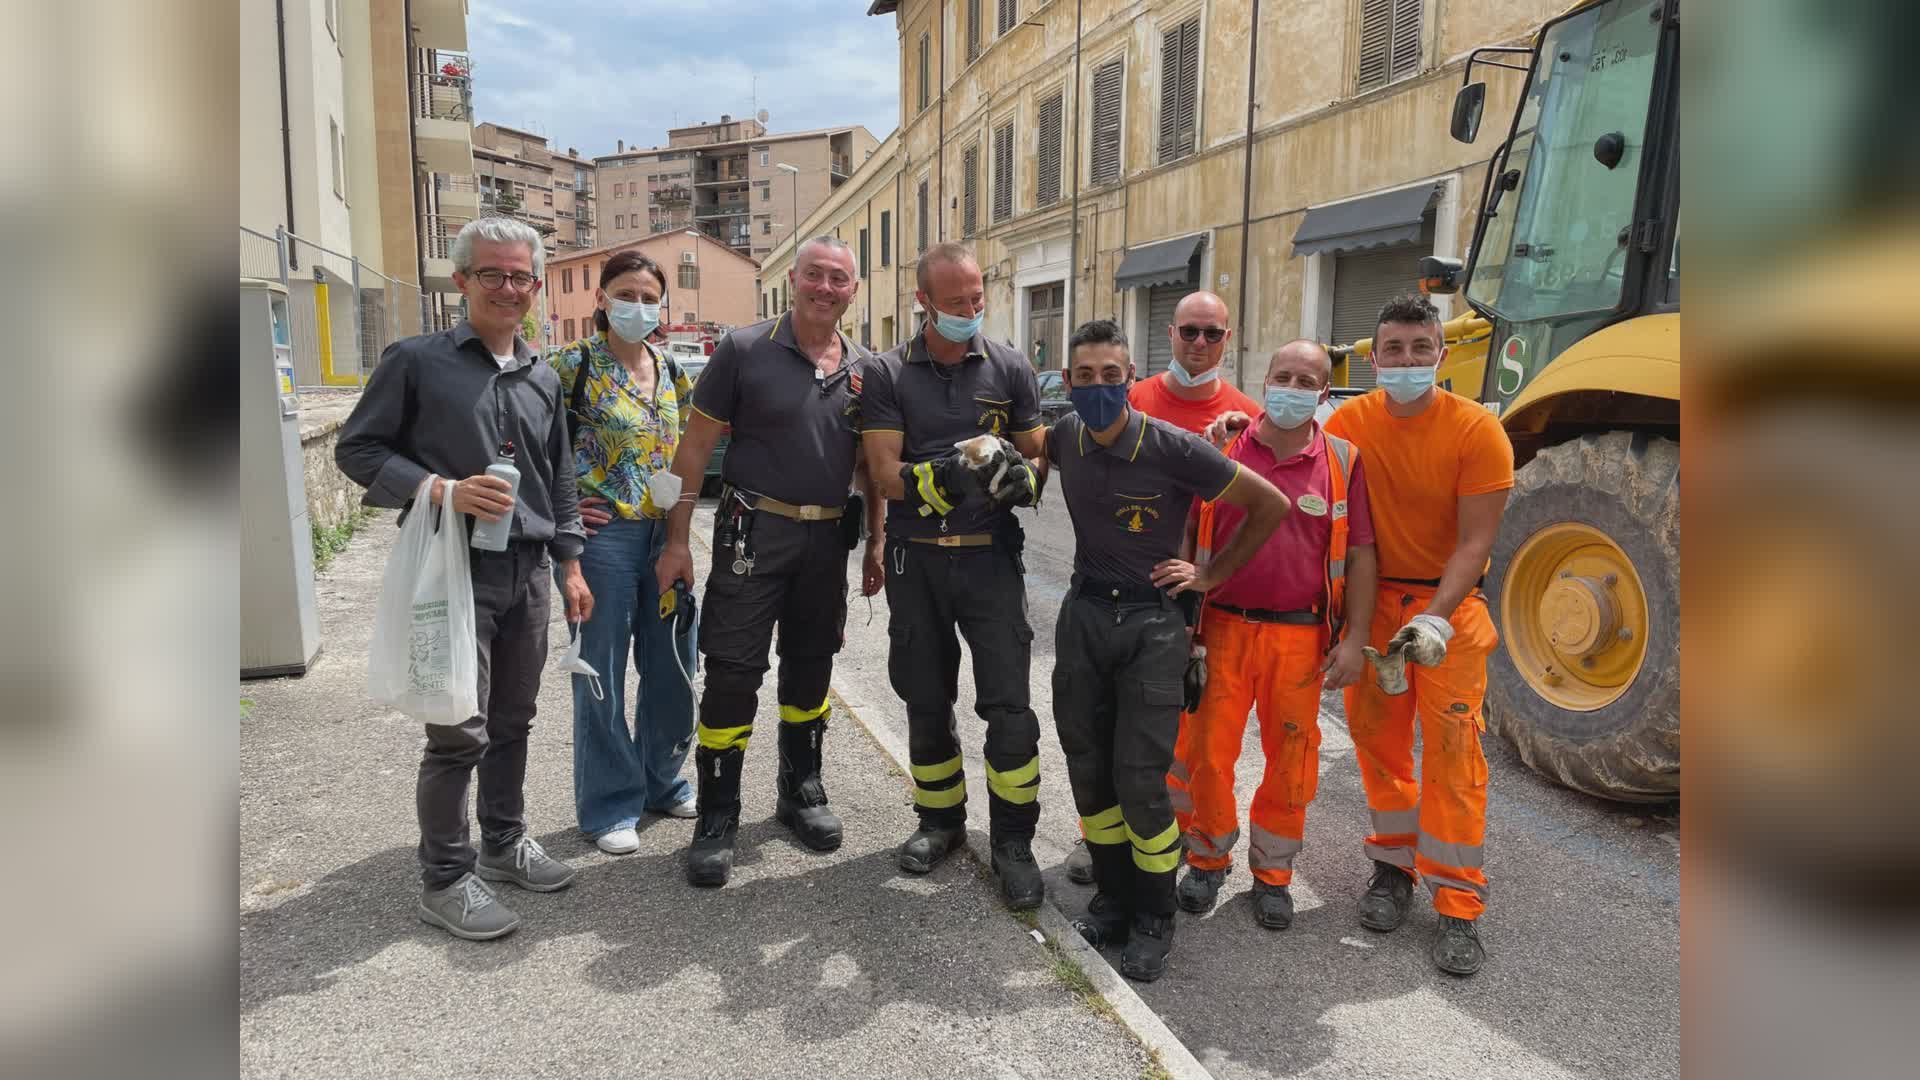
(1179, 373)
(571, 663)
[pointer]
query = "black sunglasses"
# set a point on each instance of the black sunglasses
(1192, 333)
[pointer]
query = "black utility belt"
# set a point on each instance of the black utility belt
(1117, 592)
(1267, 615)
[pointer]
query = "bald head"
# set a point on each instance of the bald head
(1303, 364)
(1198, 335)
(1203, 309)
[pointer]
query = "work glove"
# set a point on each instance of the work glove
(1194, 683)
(935, 488)
(1016, 485)
(1422, 641)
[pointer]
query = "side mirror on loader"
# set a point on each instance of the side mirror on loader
(1439, 275)
(1468, 103)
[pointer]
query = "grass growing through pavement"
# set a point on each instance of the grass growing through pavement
(331, 541)
(1156, 1069)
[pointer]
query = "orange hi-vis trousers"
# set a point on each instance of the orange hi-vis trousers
(1433, 827)
(1274, 667)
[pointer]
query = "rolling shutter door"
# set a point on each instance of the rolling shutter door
(1362, 284)
(1161, 300)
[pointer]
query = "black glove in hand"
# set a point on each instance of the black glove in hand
(935, 488)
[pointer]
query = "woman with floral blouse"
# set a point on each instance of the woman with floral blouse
(626, 422)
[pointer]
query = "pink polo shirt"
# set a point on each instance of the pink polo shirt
(1288, 573)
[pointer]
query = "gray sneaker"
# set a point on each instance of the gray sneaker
(468, 909)
(527, 865)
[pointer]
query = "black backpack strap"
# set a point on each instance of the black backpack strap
(577, 399)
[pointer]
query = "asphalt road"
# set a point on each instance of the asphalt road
(806, 965)
(1582, 930)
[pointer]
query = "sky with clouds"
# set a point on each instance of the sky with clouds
(587, 72)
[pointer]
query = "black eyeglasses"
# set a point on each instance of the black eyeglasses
(1213, 333)
(493, 279)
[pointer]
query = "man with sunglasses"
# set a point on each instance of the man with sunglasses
(443, 404)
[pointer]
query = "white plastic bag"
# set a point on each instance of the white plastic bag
(425, 661)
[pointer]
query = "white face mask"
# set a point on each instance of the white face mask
(573, 665)
(665, 488)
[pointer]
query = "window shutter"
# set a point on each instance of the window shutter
(1406, 38)
(923, 217)
(973, 30)
(886, 238)
(926, 65)
(1179, 89)
(1107, 85)
(1009, 11)
(1003, 172)
(970, 190)
(1047, 185)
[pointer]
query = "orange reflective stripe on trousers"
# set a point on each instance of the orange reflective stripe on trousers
(1436, 830)
(1276, 668)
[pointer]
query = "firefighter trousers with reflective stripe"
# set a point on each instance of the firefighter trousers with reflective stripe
(1274, 668)
(932, 592)
(798, 583)
(1116, 702)
(1434, 826)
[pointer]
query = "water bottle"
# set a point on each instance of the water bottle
(492, 535)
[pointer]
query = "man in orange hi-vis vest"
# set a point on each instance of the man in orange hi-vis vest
(1272, 638)
(1439, 469)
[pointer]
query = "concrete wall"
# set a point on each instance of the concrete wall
(263, 201)
(1316, 141)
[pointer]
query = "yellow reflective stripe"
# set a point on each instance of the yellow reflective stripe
(1012, 794)
(1105, 827)
(1014, 777)
(1157, 864)
(941, 798)
(794, 714)
(725, 738)
(929, 491)
(929, 773)
(1166, 837)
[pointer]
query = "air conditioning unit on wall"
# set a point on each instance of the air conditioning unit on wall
(687, 257)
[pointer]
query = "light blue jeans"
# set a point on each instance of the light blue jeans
(621, 772)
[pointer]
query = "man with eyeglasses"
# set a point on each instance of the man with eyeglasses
(444, 405)
(789, 389)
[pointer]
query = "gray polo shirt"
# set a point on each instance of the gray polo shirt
(1129, 501)
(933, 405)
(439, 403)
(794, 432)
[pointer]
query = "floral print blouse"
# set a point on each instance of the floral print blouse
(621, 437)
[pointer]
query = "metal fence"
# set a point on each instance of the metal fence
(344, 315)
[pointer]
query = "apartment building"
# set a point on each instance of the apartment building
(1097, 156)
(863, 213)
(353, 114)
(732, 180)
(707, 282)
(573, 200)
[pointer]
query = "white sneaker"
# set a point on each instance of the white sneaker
(618, 842)
(685, 808)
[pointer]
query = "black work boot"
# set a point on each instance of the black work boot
(1389, 894)
(802, 804)
(1080, 864)
(1199, 889)
(1151, 939)
(1020, 881)
(1106, 922)
(710, 858)
(1272, 905)
(930, 845)
(1457, 949)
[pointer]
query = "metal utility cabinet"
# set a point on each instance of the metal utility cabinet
(279, 625)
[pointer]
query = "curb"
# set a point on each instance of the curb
(1145, 1025)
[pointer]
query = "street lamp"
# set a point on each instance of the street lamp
(795, 171)
(696, 273)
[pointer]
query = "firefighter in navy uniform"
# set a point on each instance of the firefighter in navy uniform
(789, 389)
(1121, 643)
(953, 562)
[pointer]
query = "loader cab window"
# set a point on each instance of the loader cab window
(1556, 242)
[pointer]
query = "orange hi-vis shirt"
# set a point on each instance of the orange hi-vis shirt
(1152, 397)
(1418, 467)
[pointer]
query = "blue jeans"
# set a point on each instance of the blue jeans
(619, 773)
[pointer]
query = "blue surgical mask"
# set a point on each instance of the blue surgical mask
(956, 329)
(1184, 377)
(1099, 405)
(632, 320)
(1288, 408)
(1405, 384)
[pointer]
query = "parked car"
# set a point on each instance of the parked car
(693, 365)
(1339, 396)
(1054, 403)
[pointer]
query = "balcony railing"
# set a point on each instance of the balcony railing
(437, 232)
(729, 210)
(445, 182)
(665, 194)
(444, 91)
(842, 167)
